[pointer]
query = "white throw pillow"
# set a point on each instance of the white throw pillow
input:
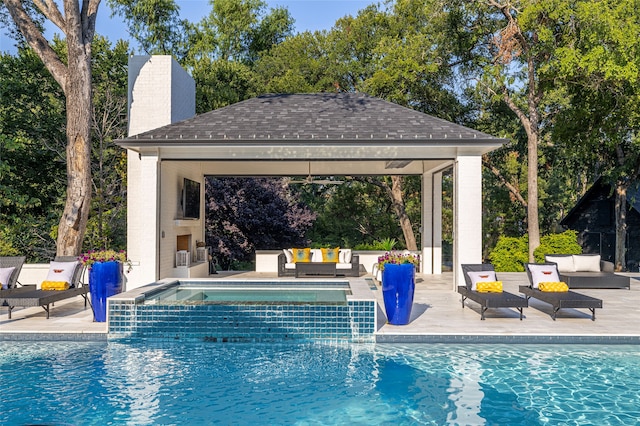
(543, 273)
(316, 255)
(288, 254)
(344, 256)
(5, 275)
(565, 263)
(61, 271)
(587, 262)
(480, 276)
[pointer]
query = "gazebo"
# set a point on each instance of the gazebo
(323, 134)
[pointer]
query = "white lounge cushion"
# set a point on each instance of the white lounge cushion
(61, 271)
(565, 263)
(5, 275)
(288, 254)
(344, 256)
(316, 255)
(543, 273)
(480, 276)
(289, 265)
(587, 262)
(343, 265)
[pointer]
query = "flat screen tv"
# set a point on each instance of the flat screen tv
(191, 199)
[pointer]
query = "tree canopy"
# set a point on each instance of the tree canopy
(558, 78)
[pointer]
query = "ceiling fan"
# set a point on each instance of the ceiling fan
(311, 180)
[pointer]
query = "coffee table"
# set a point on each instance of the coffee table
(315, 268)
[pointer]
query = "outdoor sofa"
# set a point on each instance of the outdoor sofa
(487, 300)
(587, 271)
(28, 296)
(348, 264)
(548, 272)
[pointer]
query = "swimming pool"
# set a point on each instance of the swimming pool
(142, 382)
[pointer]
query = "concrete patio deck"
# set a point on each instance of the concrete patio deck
(437, 316)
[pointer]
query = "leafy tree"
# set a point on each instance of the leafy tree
(107, 221)
(32, 160)
(599, 64)
(73, 73)
(225, 45)
(513, 76)
(155, 25)
(246, 214)
(350, 214)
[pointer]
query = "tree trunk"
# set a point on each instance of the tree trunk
(621, 226)
(78, 25)
(73, 222)
(401, 212)
(533, 226)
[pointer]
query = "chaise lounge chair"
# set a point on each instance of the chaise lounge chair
(558, 300)
(488, 300)
(28, 296)
(10, 267)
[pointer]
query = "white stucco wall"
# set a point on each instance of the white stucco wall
(160, 93)
(467, 213)
(171, 222)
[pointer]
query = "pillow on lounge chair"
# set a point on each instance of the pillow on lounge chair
(5, 276)
(316, 255)
(344, 256)
(489, 286)
(54, 285)
(587, 262)
(543, 273)
(480, 276)
(330, 254)
(61, 272)
(301, 255)
(565, 263)
(553, 287)
(288, 254)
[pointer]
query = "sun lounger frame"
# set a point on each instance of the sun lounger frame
(489, 300)
(29, 296)
(568, 299)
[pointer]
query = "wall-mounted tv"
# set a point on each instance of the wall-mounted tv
(191, 199)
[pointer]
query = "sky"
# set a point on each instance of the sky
(309, 15)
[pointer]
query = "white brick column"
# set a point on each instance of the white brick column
(432, 223)
(467, 217)
(160, 93)
(142, 218)
(427, 223)
(437, 223)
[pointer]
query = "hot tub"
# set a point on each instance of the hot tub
(246, 310)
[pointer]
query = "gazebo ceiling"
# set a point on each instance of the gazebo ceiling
(313, 127)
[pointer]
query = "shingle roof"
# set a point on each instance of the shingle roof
(319, 116)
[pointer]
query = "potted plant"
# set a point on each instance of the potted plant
(105, 277)
(398, 284)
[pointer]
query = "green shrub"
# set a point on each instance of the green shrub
(388, 244)
(6, 248)
(564, 243)
(510, 254)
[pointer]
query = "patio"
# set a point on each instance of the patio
(437, 317)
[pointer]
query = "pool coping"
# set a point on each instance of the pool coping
(441, 320)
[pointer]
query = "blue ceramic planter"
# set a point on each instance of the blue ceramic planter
(398, 287)
(105, 279)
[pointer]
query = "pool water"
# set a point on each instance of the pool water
(188, 295)
(138, 382)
